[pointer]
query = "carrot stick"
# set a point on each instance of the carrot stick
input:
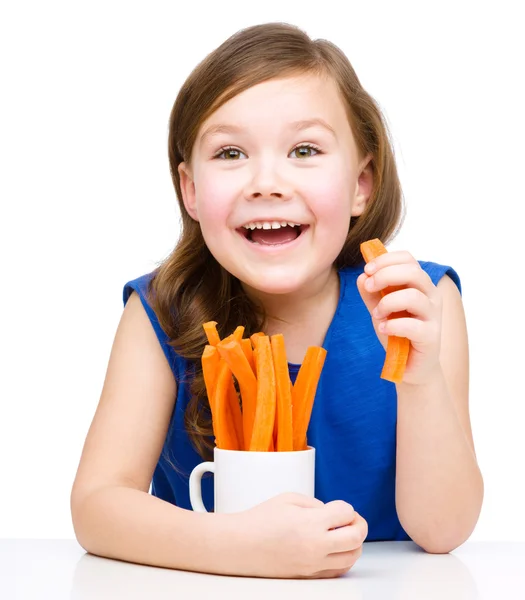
(210, 328)
(247, 348)
(212, 334)
(210, 364)
(238, 333)
(235, 411)
(224, 423)
(232, 400)
(266, 397)
(283, 420)
(303, 394)
(372, 249)
(234, 356)
(255, 337)
(398, 348)
(275, 433)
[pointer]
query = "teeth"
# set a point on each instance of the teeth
(269, 225)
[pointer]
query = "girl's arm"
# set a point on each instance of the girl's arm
(439, 486)
(114, 515)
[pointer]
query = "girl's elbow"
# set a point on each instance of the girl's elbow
(434, 547)
(443, 543)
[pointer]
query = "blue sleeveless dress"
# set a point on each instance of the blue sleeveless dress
(353, 421)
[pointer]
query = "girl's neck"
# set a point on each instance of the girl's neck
(304, 317)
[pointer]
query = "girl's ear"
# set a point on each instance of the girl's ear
(363, 187)
(187, 187)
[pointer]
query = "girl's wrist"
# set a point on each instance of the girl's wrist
(229, 543)
(431, 380)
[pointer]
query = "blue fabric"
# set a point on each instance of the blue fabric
(353, 422)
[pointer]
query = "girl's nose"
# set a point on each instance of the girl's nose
(267, 183)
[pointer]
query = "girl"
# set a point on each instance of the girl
(282, 167)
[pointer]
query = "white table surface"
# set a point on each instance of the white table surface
(61, 569)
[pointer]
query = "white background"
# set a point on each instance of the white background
(87, 203)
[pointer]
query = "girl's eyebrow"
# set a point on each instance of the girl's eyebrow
(295, 126)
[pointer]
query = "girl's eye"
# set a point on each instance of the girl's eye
(305, 151)
(228, 154)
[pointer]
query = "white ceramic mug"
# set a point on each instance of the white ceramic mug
(243, 479)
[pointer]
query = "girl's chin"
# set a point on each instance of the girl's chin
(281, 285)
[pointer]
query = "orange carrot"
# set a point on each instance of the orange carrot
(275, 433)
(261, 440)
(283, 420)
(398, 348)
(235, 411)
(238, 333)
(233, 354)
(303, 394)
(254, 338)
(212, 334)
(210, 365)
(224, 424)
(247, 348)
(232, 400)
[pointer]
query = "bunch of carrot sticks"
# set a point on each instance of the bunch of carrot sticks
(271, 414)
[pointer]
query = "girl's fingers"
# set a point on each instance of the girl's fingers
(328, 574)
(349, 538)
(370, 299)
(409, 275)
(417, 331)
(410, 299)
(399, 257)
(343, 560)
(338, 514)
(299, 500)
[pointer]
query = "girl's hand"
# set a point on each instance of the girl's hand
(420, 297)
(295, 536)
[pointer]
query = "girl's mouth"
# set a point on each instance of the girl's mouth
(273, 233)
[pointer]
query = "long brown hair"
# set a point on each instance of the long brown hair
(190, 287)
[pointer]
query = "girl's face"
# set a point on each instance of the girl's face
(279, 153)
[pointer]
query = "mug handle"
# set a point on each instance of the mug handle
(195, 485)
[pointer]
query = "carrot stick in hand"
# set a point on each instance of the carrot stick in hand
(303, 394)
(398, 348)
(262, 436)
